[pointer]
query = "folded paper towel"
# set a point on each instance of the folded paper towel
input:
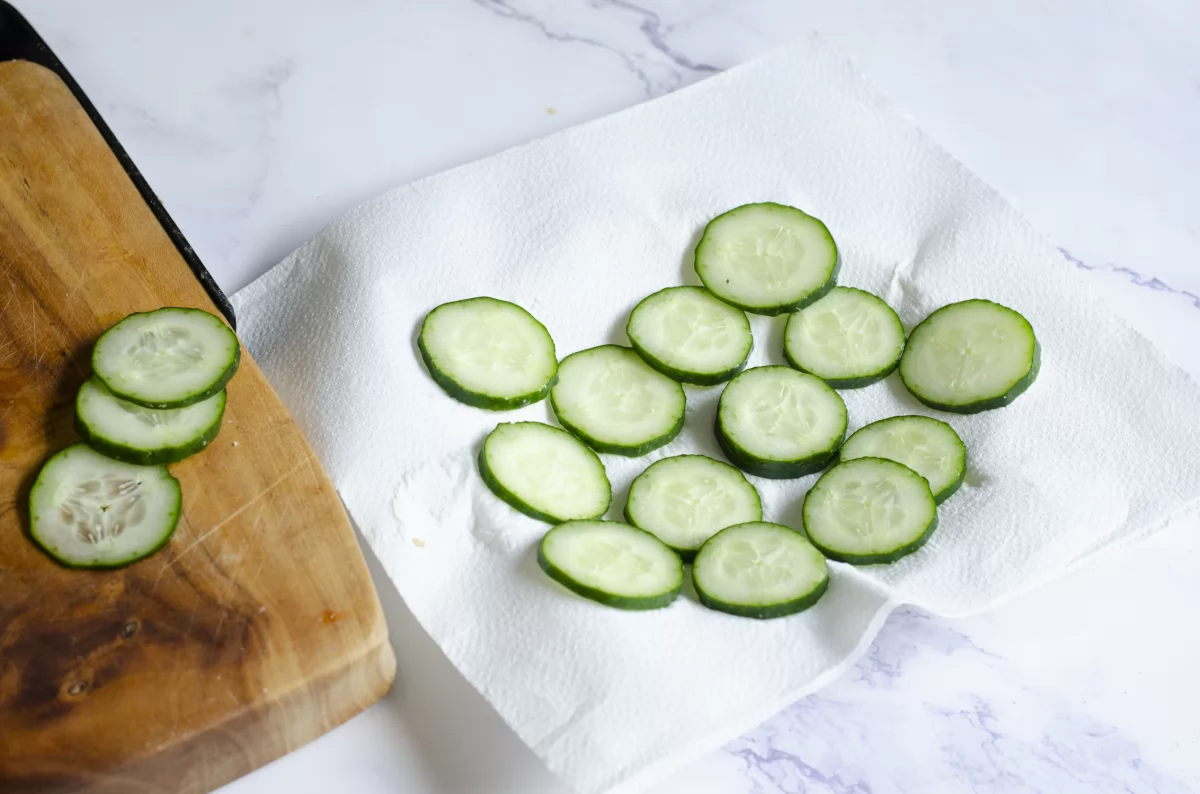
(580, 226)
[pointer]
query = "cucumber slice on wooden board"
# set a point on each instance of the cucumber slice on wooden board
(848, 338)
(616, 402)
(759, 570)
(689, 335)
(869, 510)
(767, 258)
(971, 356)
(779, 423)
(488, 353)
(685, 500)
(167, 358)
(544, 472)
(145, 436)
(612, 563)
(89, 511)
(928, 446)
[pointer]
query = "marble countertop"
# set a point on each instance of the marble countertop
(258, 123)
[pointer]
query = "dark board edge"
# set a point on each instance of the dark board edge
(20, 42)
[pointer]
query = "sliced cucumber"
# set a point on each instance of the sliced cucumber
(145, 436)
(759, 570)
(779, 423)
(544, 472)
(89, 511)
(612, 563)
(166, 358)
(616, 402)
(848, 338)
(767, 258)
(969, 357)
(685, 500)
(687, 334)
(928, 446)
(869, 510)
(488, 353)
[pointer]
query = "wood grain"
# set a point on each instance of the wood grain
(257, 628)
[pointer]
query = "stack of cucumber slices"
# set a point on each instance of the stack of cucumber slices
(156, 396)
(875, 504)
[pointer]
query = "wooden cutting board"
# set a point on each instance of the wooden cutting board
(257, 628)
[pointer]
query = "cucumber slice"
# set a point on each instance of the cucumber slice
(612, 563)
(759, 570)
(779, 423)
(488, 353)
(848, 338)
(685, 500)
(928, 446)
(969, 357)
(616, 402)
(767, 258)
(869, 510)
(166, 358)
(145, 436)
(544, 472)
(687, 334)
(89, 511)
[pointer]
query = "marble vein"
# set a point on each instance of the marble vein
(650, 58)
(1135, 278)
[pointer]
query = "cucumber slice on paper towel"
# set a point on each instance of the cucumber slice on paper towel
(685, 500)
(612, 563)
(616, 402)
(848, 338)
(687, 334)
(869, 510)
(759, 570)
(971, 356)
(167, 358)
(488, 353)
(928, 446)
(90, 511)
(767, 258)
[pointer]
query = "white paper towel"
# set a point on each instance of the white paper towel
(580, 226)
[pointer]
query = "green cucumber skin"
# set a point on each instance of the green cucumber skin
(764, 612)
(845, 383)
(514, 502)
(166, 538)
(683, 376)
(607, 599)
(772, 311)
(881, 558)
(990, 404)
(141, 457)
(619, 449)
(774, 469)
(474, 399)
(220, 384)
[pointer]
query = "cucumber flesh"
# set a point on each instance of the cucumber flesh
(488, 353)
(848, 338)
(616, 402)
(928, 446)
(168, 358)
(612, 563)
(869, 510)
(767, 258)
(685, 500)
(687, 334)
(145, 436)
(969, 357)
(759, 570)
(90, 511)
(544, 472)
(779, 423)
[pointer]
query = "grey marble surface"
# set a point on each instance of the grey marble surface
(257, 123)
